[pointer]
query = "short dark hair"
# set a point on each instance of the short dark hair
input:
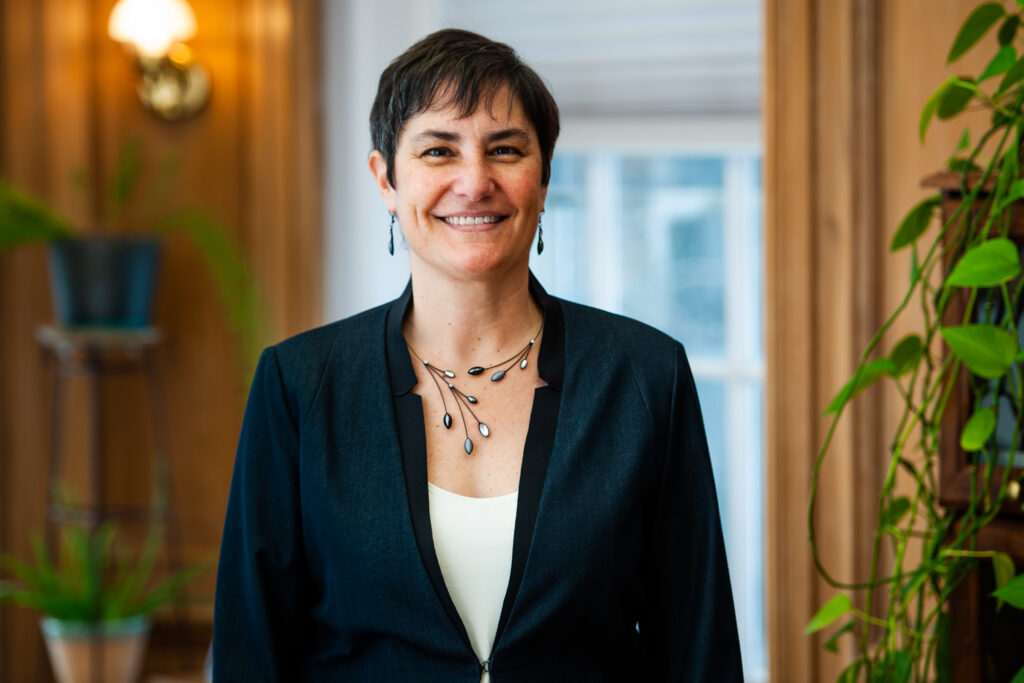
(461, 69)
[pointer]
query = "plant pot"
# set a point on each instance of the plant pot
(100, 652)
(103, 281)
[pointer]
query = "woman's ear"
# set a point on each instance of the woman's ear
(379, 170)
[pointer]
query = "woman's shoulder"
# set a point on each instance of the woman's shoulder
(303, 357)
(613, 342)
(594, 328)
(321, 340)
(619, 347)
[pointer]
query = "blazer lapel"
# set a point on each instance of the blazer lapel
(539, 438)
(413, 445)
(536, 452)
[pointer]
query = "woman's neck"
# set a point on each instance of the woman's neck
(470, 322)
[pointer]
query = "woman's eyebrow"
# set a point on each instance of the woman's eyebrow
(445, 135)
(508, 133)
(449, 136)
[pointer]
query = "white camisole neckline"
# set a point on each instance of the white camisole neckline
(473, 543)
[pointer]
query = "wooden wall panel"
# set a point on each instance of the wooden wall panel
(251, 159)
(845, 83)
(790, 435)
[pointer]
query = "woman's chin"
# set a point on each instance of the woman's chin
(477, 263)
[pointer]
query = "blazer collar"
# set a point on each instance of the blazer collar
(549, 362)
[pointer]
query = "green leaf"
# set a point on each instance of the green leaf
(1019, 676)
(956, 97)
(988, 264)
(986, 349)
(894, 668)
(1012, 592)
(1001, 63)
(1015, 192)
(915, 269)
(851, 673)
(84, 587)
(929, 107)
(24, 219)
(1000, 118)
(897, 510)
(865, 375)
(1002, 567)
(978, 429)
(962, 165)
(1015, 73)
(832, 644)
(965, 140)
(915, 222)
(1008, 31)
(239, 289)
(906, 354)
(833, 609)
(976, 25)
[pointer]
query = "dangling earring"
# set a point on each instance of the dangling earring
(391, 235)
(540, 233)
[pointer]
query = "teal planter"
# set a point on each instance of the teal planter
(103, 281)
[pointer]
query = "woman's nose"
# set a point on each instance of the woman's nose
(474, 179)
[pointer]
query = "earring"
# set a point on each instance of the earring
(540, 234)
(391, 236)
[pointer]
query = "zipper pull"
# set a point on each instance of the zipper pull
(485, 667)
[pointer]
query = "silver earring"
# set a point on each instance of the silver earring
(540, 234)
(391, 236)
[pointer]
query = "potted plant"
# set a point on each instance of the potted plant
(961, 382)
(95, 604)
(106, 277)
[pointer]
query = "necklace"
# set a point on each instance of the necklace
(466, 401)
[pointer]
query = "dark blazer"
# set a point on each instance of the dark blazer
(327, 569)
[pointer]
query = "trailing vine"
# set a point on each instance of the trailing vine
(972, 264)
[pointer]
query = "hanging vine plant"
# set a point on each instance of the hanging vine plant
(965, 279)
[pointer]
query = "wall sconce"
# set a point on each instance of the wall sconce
(173, 85)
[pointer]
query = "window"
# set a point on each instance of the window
(673, 238)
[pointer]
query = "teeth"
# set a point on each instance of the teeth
(471, 220)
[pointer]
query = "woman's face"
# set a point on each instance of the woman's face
(468, 190)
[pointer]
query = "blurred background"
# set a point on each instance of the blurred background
(728, 172)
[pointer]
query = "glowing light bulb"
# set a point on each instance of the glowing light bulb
(152, 26)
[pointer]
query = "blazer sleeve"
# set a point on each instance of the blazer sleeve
(689, 622)
(260, 605)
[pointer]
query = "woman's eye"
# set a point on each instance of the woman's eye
(437, 152)
(506, 150)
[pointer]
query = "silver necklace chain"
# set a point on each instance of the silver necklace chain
(465, 402)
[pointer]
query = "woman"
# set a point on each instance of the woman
(477, 480)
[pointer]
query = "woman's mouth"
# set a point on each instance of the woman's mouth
(471, 220)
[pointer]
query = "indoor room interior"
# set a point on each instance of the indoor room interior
(730, 172)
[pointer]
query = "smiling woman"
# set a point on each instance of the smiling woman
(467, 188)
(478, 479)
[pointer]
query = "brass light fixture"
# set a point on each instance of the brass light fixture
(173, 86)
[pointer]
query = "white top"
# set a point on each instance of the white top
(473, 542)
